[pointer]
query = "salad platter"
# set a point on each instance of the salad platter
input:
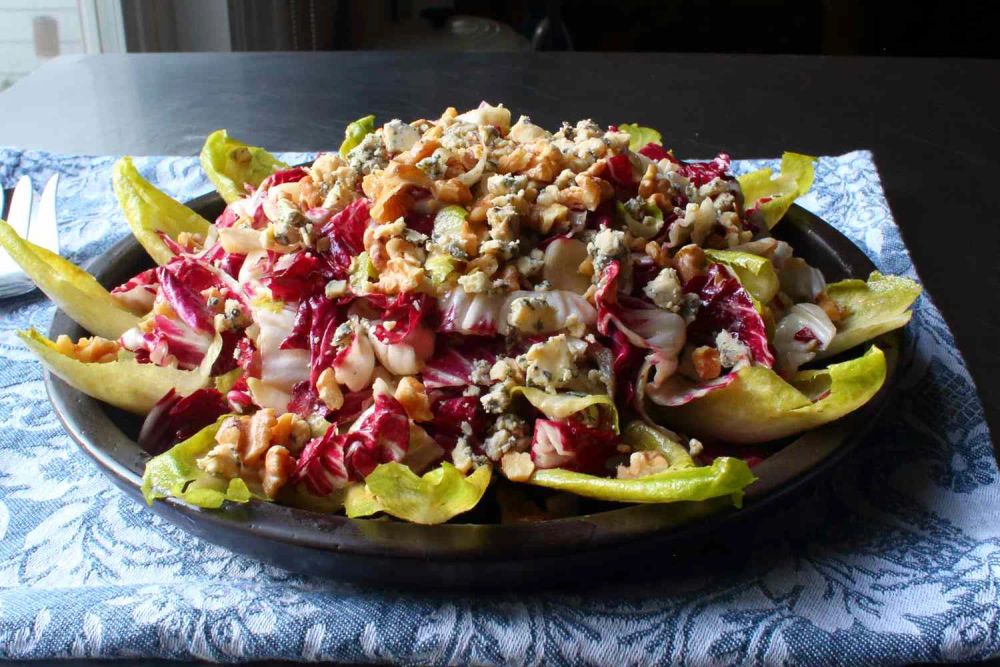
(468, 351)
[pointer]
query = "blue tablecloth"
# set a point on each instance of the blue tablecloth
(901, 563)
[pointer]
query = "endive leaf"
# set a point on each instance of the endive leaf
(356, 132)
(639, 136)
(780, 191)
(150, 212)
(873, 308)
(725, 477)
(759, 406)
(71, 288)
(436, 497)
(641, 436)
(175, 473)
(754, 272)
(231, 165)
(124, 383)
(561, 406)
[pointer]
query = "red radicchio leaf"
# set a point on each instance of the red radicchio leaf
(301, 275)
(727, 306)
(248, 358)
(188, 304)
(450, 413)
(452, 366)
(383, 436)
(804, 335)
(620, 172)
(656, 152)
(701, 173)
(227, 218)
(239, 398)
(571, 445)
(171, 244)
(227, 360)
(420, 222)
(601, 217)
(321, 465)
(232, 263)
(402, 313)
(287, 176)
(175, 418)
(347, 228)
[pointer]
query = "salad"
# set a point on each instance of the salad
(447, 304)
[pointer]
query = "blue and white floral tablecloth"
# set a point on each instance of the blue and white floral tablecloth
(901, 564)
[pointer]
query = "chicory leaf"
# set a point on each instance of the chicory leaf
(434, 498)
(71, 288)
(231, 165)
(639, 136)
(151, 213)
(176, 474)
(356, 132)
(641, 436)
(561, 406)
(754, 272)
(725, 477)
(873, 308)
(124, 383)
(767, 197)
(760, 406)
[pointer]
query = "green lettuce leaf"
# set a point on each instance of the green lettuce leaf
(754, 272)
(124, 383)
(231, 165)
(873, 308)
(759, 406)
(561, 406)
(436, 497)
(725, 477)
(794, 181)
(149, 212)
(356, 132)
(639, 136)
(641, 436)
(71, 288)
(175, 474)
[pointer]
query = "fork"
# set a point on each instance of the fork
(32, 218)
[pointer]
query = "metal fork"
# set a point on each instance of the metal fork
(33, 218)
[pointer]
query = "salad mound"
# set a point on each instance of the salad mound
(449, 303)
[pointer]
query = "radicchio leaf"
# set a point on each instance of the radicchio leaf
(175, 418)
(452, 366)
(726, 306)
(185, 301)
(570, 445)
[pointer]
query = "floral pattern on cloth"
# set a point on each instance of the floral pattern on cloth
(899, 563)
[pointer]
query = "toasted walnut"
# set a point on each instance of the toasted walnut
(643, 463)
(706, 362)
(328, 390)
(648, 183)
(277, 468)
(282, 429)
(509, 278)
(517, 466)
(190, 241)
(88, 350)
(412, 396)
(587, 193)
(452, 191)
(517, 160)
(258, 437)
(658, 254)
(830, 307)
(546, 163)
(690, 261)
(425, 147)
(478, 212)
(551, 216)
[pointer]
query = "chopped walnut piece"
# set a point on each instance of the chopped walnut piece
(641, 464)
(706, 362)
(328, 390)
(412, 396)
(517, 466)
(277, 468)
(88, 350)
(259, 437)
(690, 262)
(830, 307)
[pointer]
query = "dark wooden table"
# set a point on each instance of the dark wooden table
(931, 123)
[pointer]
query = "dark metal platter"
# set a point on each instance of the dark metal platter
(600, 543)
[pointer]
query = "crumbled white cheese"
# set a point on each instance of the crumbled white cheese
(436, 164)
(532, 315)
(399, 136)
(369, 155)
(665, 290)
(731, 350)
(552, 365)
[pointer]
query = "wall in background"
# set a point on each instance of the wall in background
(32, 31)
